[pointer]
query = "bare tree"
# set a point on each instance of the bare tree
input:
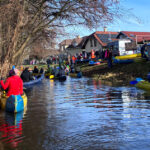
(24, 21)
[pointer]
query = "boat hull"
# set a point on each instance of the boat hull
(30, 83)
(125, 61)
(13, 103)
(128, 56)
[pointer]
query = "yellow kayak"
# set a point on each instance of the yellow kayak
(145, 85)
(128, 56)
(15, 103)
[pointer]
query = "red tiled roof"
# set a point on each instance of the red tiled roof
(139, 36)
(66, 42)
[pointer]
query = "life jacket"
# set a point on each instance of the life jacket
(92, 54)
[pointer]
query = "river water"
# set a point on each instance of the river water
(79, 114)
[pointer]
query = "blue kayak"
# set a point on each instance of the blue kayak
(125, 61)
(32, 82)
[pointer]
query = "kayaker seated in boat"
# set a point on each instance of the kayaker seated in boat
(13, 84)
(26, 75)
(36, 70)
(41, 71)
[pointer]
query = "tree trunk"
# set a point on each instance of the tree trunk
(5, 68)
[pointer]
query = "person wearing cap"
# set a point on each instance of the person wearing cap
(13, 84)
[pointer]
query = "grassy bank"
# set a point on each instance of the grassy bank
(120, 74)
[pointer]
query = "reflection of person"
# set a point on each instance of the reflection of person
(14, 84)
(12, 128)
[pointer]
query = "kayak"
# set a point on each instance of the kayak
(76, 75)
(128, 56)
(145, 85)
(125, 61)
(32, 82)
(13, 103)
(93, 63)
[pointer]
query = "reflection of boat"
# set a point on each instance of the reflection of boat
(124, 61)
(11, 130)
(145, 85)
(60, 78)
(128, 56)
(76, 75)
(14, 103)
(32, 82)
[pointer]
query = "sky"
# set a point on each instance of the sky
(139, 8)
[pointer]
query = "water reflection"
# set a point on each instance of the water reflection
(11, 128)
(82, 114)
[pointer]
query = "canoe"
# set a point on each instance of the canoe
(128, 56)
(125, 61)
(13, 103)
(76, 75)
(145, 85)
(32, 82)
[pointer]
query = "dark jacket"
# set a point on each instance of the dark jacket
(26, 76)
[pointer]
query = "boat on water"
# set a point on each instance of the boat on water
(76, 75)
(13, 103)
(128, 56)
(32, 82)
(123, 61)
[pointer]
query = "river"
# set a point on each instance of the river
(79, 114)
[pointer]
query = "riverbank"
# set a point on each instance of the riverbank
(119, 74)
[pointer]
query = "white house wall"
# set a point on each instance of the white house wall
(74, 51)
(122, 49)
(88, 47)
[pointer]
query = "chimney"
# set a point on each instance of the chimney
(78, 36)
(105, 29)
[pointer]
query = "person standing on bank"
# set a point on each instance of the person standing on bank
(108, 56)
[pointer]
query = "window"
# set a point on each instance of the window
(95, 42)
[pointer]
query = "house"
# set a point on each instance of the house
(98, 40)
(76, 46)
(129, 42)
(64, 44)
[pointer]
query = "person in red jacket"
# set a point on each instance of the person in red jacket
(13, 84)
